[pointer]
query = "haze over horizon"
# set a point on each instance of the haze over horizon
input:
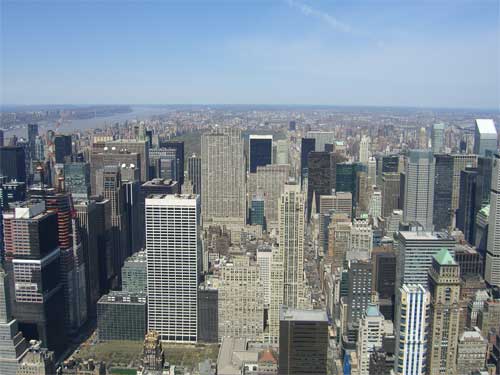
(439, 54)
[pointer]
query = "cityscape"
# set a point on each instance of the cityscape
(273, 238)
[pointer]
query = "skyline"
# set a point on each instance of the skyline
(362, 53)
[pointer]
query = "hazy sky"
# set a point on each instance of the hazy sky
(370, 52)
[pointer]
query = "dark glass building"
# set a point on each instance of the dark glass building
(307, 145)
(443, 185)
(208, 322)
(194, 173)
(321, 177)
(466, 213)
(63, 147)
(122, 316)
(178, 146)
(303, 342)
(261, 151)
(13, 163)
(77, 179)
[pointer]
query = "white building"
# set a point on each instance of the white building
(282, 151)
(173, 258)
(419, 188)
(371, 332)
(364, 149)
(223, 178)
(492, 269)
(411, 335)
(265, 259)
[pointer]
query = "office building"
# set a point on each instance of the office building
(412, 327)
(13, 346)
(320, 178)
(88, 225)
(321, 139)
(375, 205)
(178, 146)
(268, 182)
(419, 188)
(303, 342)
(223, 178)
(134, 273)
(77, 179)
(346, 176)
(340, 202)
(11, 192)
(31, 251)
(164, 163)
(371, 331)
(194, 173)
(488, 318)
(264, 260)
(485, 137)
(359, 293)
(257, 212)
(121, 316)
(240, 303)
(173, 258)
(466, 212)
(492, 265)
(37, 361)
(364, 149)
(339, 238)
(391, 183)
(444, 288)
(208, 313)
(415, 250)
(307, 145)
(132, 146)
(471, 353)
(437, 138)
(63, 148)
(260, 150)
(443, 191)
(13, 163)
(281, 152)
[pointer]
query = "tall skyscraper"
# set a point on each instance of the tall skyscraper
(443, 188)
(241, 295)
(492, 266)
(303, 342)
(321, 138)
(62, 147)
(485, 137)
(77, 179)
(437, 138)
(412, 326)
(444, 288)
(466, 213)
(371, 331)
(269, 183)
(282, 147)
(321, 178)
(364, 148)
(13, 346)
(261, 151)
(415, 250)
(194, 173)
(223, 177)
(32, 134)
(287, 276)
(173, 258)
(178, 146)
(419, 188)
(131, 146)
(33, 261)
(391, 183)
(460, 163)
(307, 145)
(13, 163)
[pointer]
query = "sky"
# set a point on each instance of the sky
(422, 53)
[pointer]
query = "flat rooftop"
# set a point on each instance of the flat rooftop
(303, 315)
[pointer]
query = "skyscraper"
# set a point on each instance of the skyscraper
(444, 288)
(443, 188)
(321, 177)
(33, 261)
(485, 137)
(13, 163)
(62, 147)
(178, 146)
(321, 138)
(411, 334)
(194, 173)
(492, 266)
(419, 188)
(466, 213)
(282, 151)
(307, 145)
(131, 146)
(173, 249)
(371, 331)
(437, 138)
(77, 179)
(391, 183)
(303, 342)
(261, 151)
(223, 177)
(460, 163)
(364, 147)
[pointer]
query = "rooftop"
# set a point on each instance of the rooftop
(486, 126)
(443, 257)
(303, 315)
